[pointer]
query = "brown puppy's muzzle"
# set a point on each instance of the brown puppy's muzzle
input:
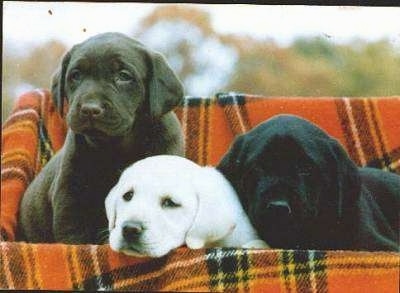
(91, 106)
(93, 115)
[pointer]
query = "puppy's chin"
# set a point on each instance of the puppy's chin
(97, 137)
(279, 231)
(100, 129)
(131, 252)
(137, 253)
(119, 245)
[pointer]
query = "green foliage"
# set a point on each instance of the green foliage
(316, 67)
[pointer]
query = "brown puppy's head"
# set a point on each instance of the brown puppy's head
(110, 80)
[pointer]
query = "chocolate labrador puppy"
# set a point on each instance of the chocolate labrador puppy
(302, 191)
(120, 97)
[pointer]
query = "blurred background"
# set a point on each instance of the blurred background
(258, 49)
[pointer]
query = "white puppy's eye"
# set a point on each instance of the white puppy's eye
(167, 202)
(128, 195)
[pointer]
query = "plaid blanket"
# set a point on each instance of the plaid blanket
(366, 127)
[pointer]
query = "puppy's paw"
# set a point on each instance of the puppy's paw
(194, 243)
(256, 244)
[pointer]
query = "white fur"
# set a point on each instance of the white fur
(210, 214)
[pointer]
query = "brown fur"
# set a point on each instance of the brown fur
(135, 91)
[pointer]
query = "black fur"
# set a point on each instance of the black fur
(302, 191)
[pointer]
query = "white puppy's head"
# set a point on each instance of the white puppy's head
(163, 202)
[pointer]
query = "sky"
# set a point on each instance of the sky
(31, 23)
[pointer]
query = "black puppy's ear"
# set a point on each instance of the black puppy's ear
(58, 84)
(348, 180)
(165, 89)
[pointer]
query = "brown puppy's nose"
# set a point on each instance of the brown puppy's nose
(91, 110)
(131, 231)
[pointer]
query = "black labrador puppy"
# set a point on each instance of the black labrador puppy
(302, 191)
(120, 96)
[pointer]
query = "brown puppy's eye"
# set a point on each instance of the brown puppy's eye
(167, 202)
(75, 75)
(128, 195)
(124, 76)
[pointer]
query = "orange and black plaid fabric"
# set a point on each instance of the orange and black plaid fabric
(96, 267)
(367, 127)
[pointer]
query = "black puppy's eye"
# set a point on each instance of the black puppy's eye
(75, 75)
(124, 76)
(167, 202)
(128, 195)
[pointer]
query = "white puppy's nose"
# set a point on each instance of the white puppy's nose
(131, 231)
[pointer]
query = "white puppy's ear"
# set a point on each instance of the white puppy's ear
(110, 204)
(214, 218)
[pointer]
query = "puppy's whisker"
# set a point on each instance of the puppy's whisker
(104, 239)
(103, 234)
(103, 231)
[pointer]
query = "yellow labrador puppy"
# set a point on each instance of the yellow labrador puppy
(163, 202)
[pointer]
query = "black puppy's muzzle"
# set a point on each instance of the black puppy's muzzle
(275, 212)
(276, 225)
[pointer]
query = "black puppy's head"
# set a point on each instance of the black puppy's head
(294, 181)
(111, 79)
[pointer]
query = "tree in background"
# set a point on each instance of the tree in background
(359, 69)
(316, 67)
(194, 50)
(208, 62)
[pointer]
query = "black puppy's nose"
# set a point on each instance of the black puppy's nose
(280, 207)
(131, 231)
(91, 110)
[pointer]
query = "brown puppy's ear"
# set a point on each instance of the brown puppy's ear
(165, 89)
(58, 83)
